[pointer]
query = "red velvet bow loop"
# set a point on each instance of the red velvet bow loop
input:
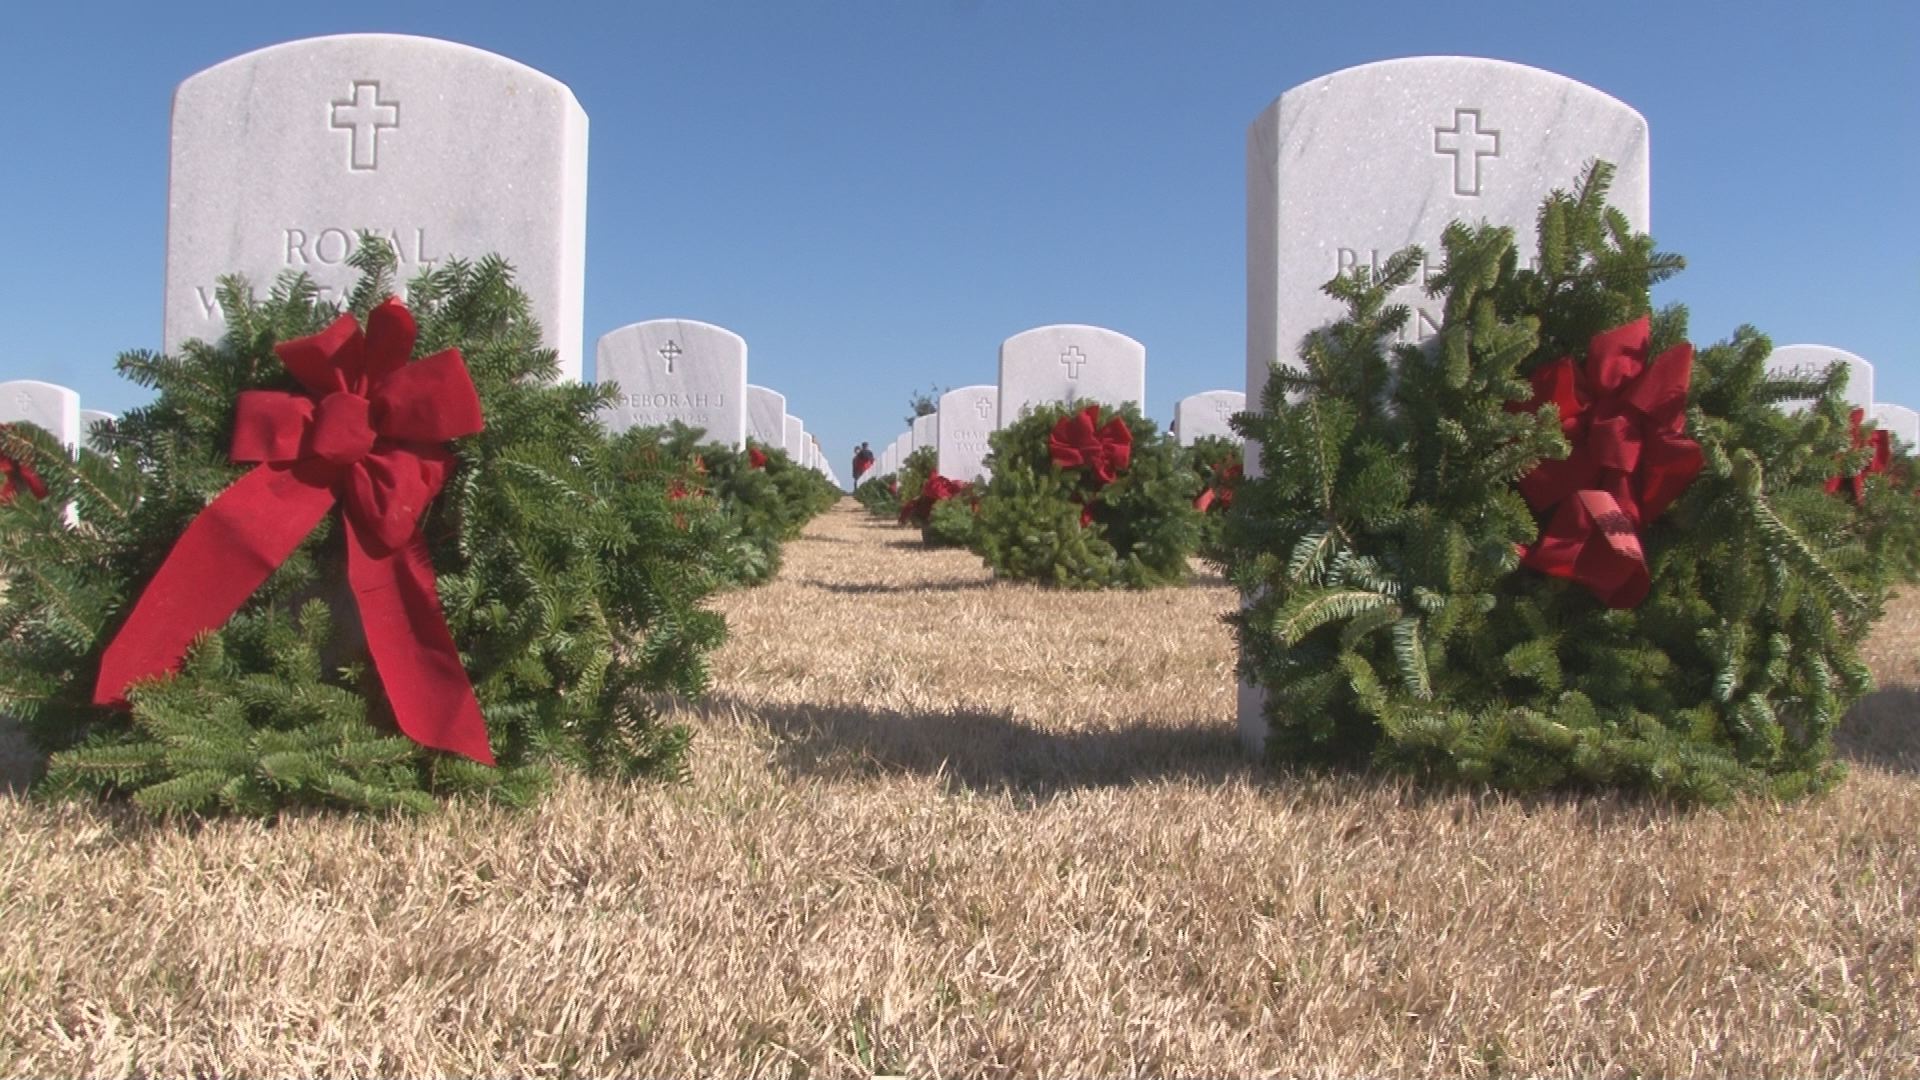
(1592, 541)
(370, 436)
(756, 459)
(1624, 417)
(15, 473)
(1877, 462)
(1103, 451)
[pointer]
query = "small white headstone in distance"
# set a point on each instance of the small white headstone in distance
(968, 415)
(1899, 420)
(887, 463)
(766, 416)
(794, 439)
(51, 406)
(926, 430)
(1812, 361)
(1207, 413)
(903, 448)
(90, 417)
(1347, 169)
(1070, 362)
(676, 369)
(280, 157)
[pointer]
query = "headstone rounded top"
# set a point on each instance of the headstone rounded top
(1814, 360)
(360, 45)
(1453, 69)
(1061, 330)
(683, 327)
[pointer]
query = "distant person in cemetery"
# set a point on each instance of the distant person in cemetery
(862, 460)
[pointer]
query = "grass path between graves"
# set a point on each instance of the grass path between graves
(943, 827)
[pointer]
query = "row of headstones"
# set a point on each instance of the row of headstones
(696, 373)
(1046, 365)
(51, 407)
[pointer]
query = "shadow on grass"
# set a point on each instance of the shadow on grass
(989, 751)
(1882, 730)
(910, 587)
(20, 761)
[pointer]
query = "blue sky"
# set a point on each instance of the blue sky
(875, 194)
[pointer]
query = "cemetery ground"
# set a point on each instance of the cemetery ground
(940, 826)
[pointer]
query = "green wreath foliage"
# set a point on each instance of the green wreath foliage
(1389, 620)
(880, 495)
(1218, 463)
(575, 597)
(913, 475)
(1142, 527)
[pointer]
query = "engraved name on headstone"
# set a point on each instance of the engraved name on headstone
(282, 156)
(968, 416)
(676, 369)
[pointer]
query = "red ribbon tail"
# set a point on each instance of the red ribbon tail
(233, 546)
(1203, 500)
(413, 650)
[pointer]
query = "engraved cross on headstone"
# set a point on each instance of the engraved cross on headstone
(363, 115)
(1073, 358)
(1223, 410)
(1467, 144)
(668, 352)
(983, 407)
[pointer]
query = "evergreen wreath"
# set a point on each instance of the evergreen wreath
(1390, 618)
(1083, 496)
(880, 495)
(1218, 463)
(920, 466)
(573, 598)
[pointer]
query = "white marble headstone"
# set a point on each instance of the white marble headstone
(926, 430)
(90, 417)
(794, 438)
(1899, 420)
(1069, 362)
(903, 447)
(1206, 414)
(281, 156)
(676, 369)
(766, 416)
(887, 464)
(968, 415)
(1812, 361)
(51, 406)
(1346, 170)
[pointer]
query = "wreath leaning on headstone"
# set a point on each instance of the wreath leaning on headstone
(1083, 496)
(319, 571)
(1555, 545)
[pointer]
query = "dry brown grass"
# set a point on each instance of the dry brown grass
(935, 828)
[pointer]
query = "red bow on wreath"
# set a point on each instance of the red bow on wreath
(1221, 490)
(1103, 451)
(14, 473)
(936, 490)
(369, 434)
(1625, 417)
(1877, 463)
(756, 459)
